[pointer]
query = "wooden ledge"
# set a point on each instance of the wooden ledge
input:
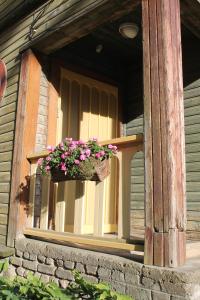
(131, 139)
(83, 240)
(121, 142)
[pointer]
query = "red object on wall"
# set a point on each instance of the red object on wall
(3, 79)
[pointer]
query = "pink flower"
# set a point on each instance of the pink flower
(63, 156)
(40, 161)
(102, 152)
(94, 139)
(47, 168)
(82, 157)
(48, 158)
(50, 148)
(77, 162)
(110, 146)
(114, 148)
(87, 152)
(66, 153)
(98, 155)
(63, 167)
(81, 142)
(72, 147)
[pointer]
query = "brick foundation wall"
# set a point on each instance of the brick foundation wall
(54, 262)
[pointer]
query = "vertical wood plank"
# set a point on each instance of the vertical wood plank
(44, 217)
(164, 134)
(148, 257)
(158, 244)
(79, 208)
(52, 111)
(30, 218)
(124, 155)
(99, 209)
(25, 134)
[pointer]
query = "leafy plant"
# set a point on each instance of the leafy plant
(81, 289)
(69, 156)
(32, 288)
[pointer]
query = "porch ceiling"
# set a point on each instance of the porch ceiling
(190, 15)
(82, 23)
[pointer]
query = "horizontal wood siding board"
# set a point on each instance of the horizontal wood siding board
(192, 131)
(4, 198)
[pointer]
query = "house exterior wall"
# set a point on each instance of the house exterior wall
(192, 136)
(51, 14)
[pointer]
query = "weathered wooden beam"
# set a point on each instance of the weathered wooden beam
(85, 20)
(25, 135)
(190, 15)
(165, 212)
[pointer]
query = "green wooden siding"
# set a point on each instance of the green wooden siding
(11, 41)
(192, 138)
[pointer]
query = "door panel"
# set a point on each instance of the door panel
(88, 108)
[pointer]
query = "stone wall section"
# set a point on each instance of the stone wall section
(52, 262)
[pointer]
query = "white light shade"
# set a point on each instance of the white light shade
(128, 30)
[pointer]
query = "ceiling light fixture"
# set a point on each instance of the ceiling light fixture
(128, 30)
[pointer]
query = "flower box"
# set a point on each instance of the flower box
(97, 171)
(78, 160)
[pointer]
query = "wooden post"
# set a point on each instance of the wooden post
(25, 135)
(165, 211)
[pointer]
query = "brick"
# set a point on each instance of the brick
(10, 272)
(159, 296)
(138, 293)
(26, 255)
(16, 261)
(64, 274)
(41, 258)
(49, 261)
(132, 278)
(27, 272)
(33, 257)
(18, 253)
(53, 279)
(46, 269)
(119, 287)
(91, 259)
(91, 270)
(37, 274)
(20, 271)
(117, 275)
(44, 278)
(150, 284)
(104, 273)
(80, 267)
(91, 279)
(59, 262)
(63, 283)
(69, 265)
(30, 265)
(21, 244)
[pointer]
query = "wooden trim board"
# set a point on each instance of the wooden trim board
(86, 240)
(132, 139)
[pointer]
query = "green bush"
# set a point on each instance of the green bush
(33, 288)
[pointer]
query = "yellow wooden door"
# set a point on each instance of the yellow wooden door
(87, 108)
